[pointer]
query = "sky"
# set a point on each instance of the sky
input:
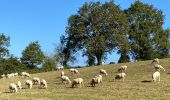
(26, 21)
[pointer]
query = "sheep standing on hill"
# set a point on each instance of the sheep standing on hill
(102, 71)
(3, 76)
(155, 60)
(155, 76)
(75, 71)
(96, 80)
(15, 74)
(36, 80)
(122, 69)
(10, 75)
(60, 68)
(43, 84)
(158, 67)
(28, 83)
(77, 81)
(13, 87)
(25, 74)
(62, 73)
(19, 85)
(120, 76)
(65, 79)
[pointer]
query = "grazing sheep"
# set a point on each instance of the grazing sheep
(102, 71)
(122, 69)
(96, 80)
(120, 76)
(13, 87)
(60, 68)
(36, 81)
(66, 79)
(155, 60)
(10, 75)
(19, 85)
(25, 74)
(28, 83)
(3, 76)
(155, 76)
(43, 84)
(158, 67)
(77, 81)
(75, 71)
(62, 73)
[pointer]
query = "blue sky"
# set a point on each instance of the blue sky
(26, 21)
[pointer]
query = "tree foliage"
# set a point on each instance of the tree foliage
(4, 44)
(49, 64)
(32, 55)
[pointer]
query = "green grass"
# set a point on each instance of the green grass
(137, 85)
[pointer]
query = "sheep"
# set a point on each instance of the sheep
(120, 76)
(102, 71)
(75, 71)
(15, 74)
(96, 80)
(13, 87)
(36, 80)
(65, 78)
(3, 76)
(43, 84)
(77, 81)
(28, 83)
(155, 60)
(19, 85)
(62, 73)
(25, 74)
(122, 68)
(10, 75)
(158, 67)
(155, 76)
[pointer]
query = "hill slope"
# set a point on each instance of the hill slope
(137, 85)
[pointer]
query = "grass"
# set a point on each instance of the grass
(137, 85)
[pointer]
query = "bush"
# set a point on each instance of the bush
(112, 63)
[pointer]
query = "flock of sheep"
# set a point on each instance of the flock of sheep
(13, 87)
(121, 73)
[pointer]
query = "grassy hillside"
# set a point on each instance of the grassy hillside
(137, 85)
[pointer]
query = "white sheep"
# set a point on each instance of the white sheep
(28, 83)
(13, 87)
(3, 76)
(102, 71)
(60, 68)
(36, 80)
(19, 85)
(158, 67)
(25, 74)
(62, 73)
(15, 74)
(155, 76)
(122, 68)
(120, 76)
(10, 75)
(77, 81)
(155, 60)
(96, 80)
(75, 71)
(43, 84)
(65, 79)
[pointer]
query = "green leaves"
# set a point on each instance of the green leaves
(4, 44)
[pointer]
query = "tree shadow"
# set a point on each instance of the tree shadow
(146, 81)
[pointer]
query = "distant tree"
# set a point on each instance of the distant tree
(96, 29)
(32, 55)
(4, 44)
(49, 64)
(147, 37)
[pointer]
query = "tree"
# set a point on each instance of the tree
(147, 38)
(32, 55)
(4, 44)
(96, 29)
(49, 64)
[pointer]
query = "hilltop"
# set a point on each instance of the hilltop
(137, 84)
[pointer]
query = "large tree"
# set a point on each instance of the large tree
(4, 44)
(32, 55)
(96, 29)
(147, 37)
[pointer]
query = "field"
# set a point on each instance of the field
(138, 85)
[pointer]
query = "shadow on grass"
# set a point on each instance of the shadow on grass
(146, 81)
(7, 92)
(168, 73)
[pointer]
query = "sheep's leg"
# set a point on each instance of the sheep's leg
(159, 79)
